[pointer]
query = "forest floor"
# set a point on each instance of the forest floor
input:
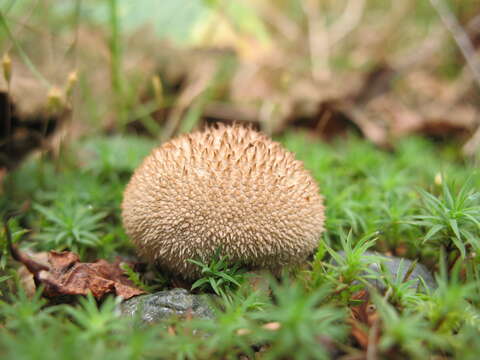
(381, 105)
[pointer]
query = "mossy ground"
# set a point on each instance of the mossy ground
(418, 201)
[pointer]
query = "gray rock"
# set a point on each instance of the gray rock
(394, 265)
(165, 304)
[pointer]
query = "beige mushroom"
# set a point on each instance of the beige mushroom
(228, 188)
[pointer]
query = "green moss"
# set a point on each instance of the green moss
(388, 201)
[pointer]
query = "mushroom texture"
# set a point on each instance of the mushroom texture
(229, 188)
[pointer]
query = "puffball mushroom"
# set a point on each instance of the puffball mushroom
(229, 188)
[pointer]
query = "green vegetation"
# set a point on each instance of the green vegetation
(392, 202)
(220, 275)
(115, 78)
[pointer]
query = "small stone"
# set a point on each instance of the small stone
(165, 304)
(393, 265)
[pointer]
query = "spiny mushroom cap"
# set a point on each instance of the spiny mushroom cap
(227, 187)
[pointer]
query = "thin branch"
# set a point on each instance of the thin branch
(32, 265)
(461, 38)
(350, 18)
(199, 82)
(468, 51)
(318, 40)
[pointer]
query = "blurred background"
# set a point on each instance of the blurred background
(382, 69)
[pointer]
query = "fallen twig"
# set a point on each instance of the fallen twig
(460, 37)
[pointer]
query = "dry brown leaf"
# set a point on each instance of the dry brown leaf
(64, 274)
(26, 277)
